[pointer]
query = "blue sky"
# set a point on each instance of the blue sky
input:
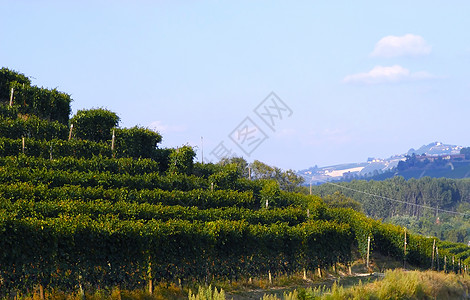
(360, 79)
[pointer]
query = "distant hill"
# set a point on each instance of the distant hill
(436, 148)
(379, 169)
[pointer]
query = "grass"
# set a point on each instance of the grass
(397, 284)
(400, 284)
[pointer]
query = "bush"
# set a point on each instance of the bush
(94, 124)
(6, 78)
(181, 160)
(136, 142)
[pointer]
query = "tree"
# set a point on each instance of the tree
(182, 160)
(270, 194)
(338, 200)
(465, 151)
(240, 162)
(287, 180)
(7, 77)
(136, 142)
(94, 124)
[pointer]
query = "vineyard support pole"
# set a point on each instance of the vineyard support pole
(41, 292)
(368, 251)
(453, 264)
(445, 264)
(11, 96)
(150, 278)
(70, 132)
(112, 144)
(404, 252)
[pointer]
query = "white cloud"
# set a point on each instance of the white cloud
(163, 129)
(380, 74)
(407, 45)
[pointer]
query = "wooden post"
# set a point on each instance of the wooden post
(212, 186)
(270, 277)
(432, 257)
(249, 173)
(70, 132)
(112, 141)
(368, 251)
(305, 274)
(41, 292)
(267, 203)
(445, 264)
(404, 252)
(82, 292)
(22, 144)
(11, 96)
(150, 278)
(349, 270)
(319, 272)
(310, 187)
(453, 264)
(308, 213)
(437, 257)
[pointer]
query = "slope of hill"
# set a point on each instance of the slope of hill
(93, 210)
(379, 169)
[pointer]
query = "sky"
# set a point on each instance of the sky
(290, 83)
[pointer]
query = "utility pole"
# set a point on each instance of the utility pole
(202, 150)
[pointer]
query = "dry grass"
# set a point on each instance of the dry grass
(400, 284)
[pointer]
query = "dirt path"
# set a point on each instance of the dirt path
(346, 281)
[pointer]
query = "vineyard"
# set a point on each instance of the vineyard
(83, 212)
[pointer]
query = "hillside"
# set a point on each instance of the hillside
(86, 205)
(380, 169)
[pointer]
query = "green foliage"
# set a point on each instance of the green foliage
(9, 112)
(181, 160)
(240, 162)
(32, 127)
(94, 164)
(206, 293)
(287, 180)
(338, 200)
(55, 148)
(9, 78)
(46, 104)
(94, 124)
(136, 142)
(108, 248)
(225, 177)
(270, 194)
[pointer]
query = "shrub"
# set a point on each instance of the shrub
(94, 124)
